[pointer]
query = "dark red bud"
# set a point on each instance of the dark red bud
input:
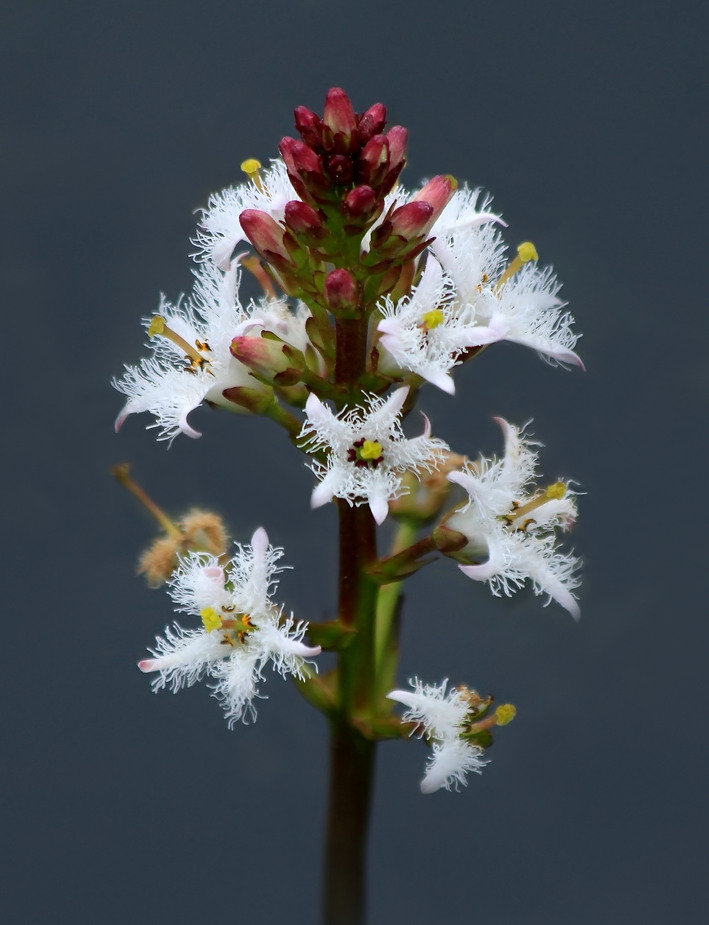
(263, 232)
(397, 136)
(375, 154)
(372, 122)
(302, 218)
(339, 168)
(412, 220)
(341, 291)
(359, 201)
(309, 126)
(338, 114)
(298, 157)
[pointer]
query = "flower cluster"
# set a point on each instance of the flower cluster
(242, 630)
(370, 291)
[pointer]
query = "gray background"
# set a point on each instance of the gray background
(588, 123)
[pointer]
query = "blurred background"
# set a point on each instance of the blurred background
(588, 124)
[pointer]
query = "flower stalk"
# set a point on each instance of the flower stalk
(370, 294)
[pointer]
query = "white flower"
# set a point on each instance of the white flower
(367, 451)
(242, 629)
(427, 331)
(513, 527)
(517, 301)
(220, 229)
(442, 716)
(191, 361)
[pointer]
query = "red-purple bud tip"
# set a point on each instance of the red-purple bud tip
(338, 113)
(302, 218)
(264, 233)
(341, 291)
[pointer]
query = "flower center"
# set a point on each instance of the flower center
(194, 355)
(431, 320)
(367, 453)
(236, 626)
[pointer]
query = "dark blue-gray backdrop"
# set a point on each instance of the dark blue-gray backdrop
(588, 123)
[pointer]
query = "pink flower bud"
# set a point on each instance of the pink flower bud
(373, 158)
(338, 114)
(412, 220)
(397, 137)
(437, 193)
(341, 291)
(264, 233)
(266, 356)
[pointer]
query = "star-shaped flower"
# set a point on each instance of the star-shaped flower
(242, 630)
(512, 526)
(516, 300)
(366, 451)
(220, 230)
(191, 361)
(441, 718)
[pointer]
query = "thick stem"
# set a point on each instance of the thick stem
(351, 776)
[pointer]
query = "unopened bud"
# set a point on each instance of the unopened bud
(437, 193)
(449, 541)
(266, 235)
(266, 356)
(256, 400)
(359, 201)
(372, 122)
(309, 126)
(341, 292)
(338, 114)
(340, 169)
(301, 218)
(411, 220)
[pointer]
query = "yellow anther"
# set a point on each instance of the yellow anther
(505, 713)
(526, 251)
(432, 319)
(370, 450)
(252, 169)
(157, 325)
(158, 328)
(555, 491)
(210, 619)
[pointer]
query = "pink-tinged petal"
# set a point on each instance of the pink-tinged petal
(120, 419)
(465, 480)
(259, 542)
(148, 664)
(480, 572)
(214, 573)
(396, 400)
(186, 428)
(379, 507)
(221, 252)
(325, 491)
(543, 345)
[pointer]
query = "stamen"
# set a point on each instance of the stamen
(159, 328)
(252, 169)
(526, 251)
(553, 492)
(505, 713)
(253, 265)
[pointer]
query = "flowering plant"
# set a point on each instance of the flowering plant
(369, 293)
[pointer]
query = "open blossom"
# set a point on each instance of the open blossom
(242, 630)
(366, 451)
(442, 717)
(512, 526)
(516, 300)
(220, 230)
(191, 361)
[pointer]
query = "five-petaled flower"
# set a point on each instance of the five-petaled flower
(441, 718)
(242, 629)
(366, 451)
(191, 361)
(512, 527)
